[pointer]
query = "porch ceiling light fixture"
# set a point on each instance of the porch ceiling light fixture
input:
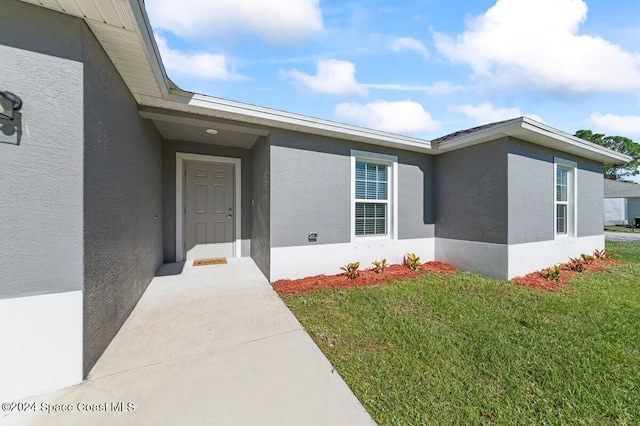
(9, 104)
(212, 131)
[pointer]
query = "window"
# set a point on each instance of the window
(562, 201)
(372, 192)
(565, 198)
(372, 184)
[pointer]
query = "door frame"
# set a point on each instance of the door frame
(181, 157)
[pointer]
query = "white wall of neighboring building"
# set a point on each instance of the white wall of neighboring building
(615, 211)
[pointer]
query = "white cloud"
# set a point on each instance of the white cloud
(485, 113)
(618, 125)
(198, 65)
(442, 88)
(276, 21)
(333, 77)
(439, 88)
(409, 43)
(536, 42)
(405, 117)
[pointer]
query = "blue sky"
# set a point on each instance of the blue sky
(423, 68)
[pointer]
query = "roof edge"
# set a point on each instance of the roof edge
(531, 131)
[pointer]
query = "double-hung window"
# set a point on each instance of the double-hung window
(565, 202)
(373, 201)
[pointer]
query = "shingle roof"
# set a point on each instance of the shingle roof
(468, 131)
(616, 189)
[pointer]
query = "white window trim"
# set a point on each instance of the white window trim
(392, 219)
(181, 157)
(572, 197)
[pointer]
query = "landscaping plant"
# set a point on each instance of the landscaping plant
(412, 261)
(351, 270)
(379, 265)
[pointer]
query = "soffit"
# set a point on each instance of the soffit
(121, 34)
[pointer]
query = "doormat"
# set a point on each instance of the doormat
(210, 261)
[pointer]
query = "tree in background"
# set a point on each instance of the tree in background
(617, 143)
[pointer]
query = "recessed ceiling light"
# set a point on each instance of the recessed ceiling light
(212, 131)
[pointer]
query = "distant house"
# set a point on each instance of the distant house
(109, 170)
(621, 203)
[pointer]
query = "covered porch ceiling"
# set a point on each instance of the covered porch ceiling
(181, 126)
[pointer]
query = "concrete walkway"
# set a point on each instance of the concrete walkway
(208, 345)
(622, 236)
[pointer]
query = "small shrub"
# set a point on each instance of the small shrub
(576, 264)
(600, 254)
(412, 261)
(586, 258)
(552, 273)
(351, 270)
(379, 265)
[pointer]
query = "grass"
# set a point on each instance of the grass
(467, 349)
(617, 228)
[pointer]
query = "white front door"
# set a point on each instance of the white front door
(209, 217)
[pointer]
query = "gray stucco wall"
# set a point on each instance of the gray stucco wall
(471, 193)
(122, 199)
(531, 193)
(41, 197)
(261, 206)
(170, 148)
(311, 190)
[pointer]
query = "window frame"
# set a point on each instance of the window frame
(571, 168)
(391, 162)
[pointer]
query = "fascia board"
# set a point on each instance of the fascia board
(539, 134)
(279, 119)
(151, 48)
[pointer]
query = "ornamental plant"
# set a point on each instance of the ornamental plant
(351, 270)
(552, 273)
(412, 261)
(379, 265)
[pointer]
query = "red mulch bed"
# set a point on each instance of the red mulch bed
(366, 278)
(537, 281)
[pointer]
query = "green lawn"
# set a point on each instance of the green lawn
(471, 350)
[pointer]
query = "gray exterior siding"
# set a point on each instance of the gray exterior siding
(590, 196)
(170, 148)
(531, 193)
(261, 206)
(41, 190)
(122, 199)
(311, 190)
(471, 193)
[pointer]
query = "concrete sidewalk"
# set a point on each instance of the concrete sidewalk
(208, 345)
(622, 236)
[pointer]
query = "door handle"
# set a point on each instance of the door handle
(229, 216)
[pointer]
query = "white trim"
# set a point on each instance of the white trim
(41, 344)
(502, 261)
(181, 157)
(392, 220)
(532, 131)
(304, 261)
(572, 197)
(529, 257)
(488, 259)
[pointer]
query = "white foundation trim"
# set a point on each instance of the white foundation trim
(304, 261)
(530, 257)
(503, 262)
(41, 347)
(181, 157)
(484, 258)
